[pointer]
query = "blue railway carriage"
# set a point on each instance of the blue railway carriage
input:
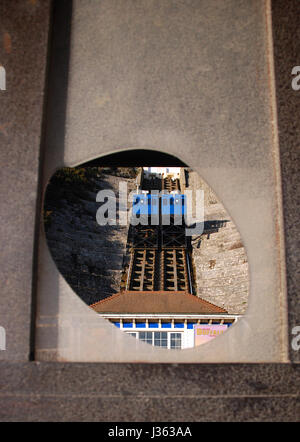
(173, 204)
(145, 204)
(148, 204)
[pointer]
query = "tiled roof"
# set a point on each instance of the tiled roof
(155, 302)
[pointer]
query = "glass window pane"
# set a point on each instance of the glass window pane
(146, 337)
(161, 339)
(175, 342)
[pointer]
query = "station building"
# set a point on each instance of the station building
(165, 319)
(162, 172)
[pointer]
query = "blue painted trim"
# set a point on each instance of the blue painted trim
(190, 325)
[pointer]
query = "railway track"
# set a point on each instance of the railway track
(174, 270)
(169, 184)
(143, 270)
(159, 256)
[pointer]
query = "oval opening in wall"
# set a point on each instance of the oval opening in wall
(143, 240)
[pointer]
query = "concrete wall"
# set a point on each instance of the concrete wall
(32, 391)
(156, 75)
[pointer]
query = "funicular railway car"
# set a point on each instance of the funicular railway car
(173, 204)
(145, 204)
(149, 204)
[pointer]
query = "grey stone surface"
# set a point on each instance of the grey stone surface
(56, 391)
(144, 409)
(23, 54)
(156, 75)
(286, 34)
(158, 392)
(151, 379)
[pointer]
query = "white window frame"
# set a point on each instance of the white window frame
(168, 332)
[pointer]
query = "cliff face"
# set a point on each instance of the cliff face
(220, 260)
(89, 256)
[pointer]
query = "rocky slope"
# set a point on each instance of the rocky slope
(89, 256)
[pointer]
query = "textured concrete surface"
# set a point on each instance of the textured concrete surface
(113, 392)
(59, 391)
(23, 54)
(157, 75)
(286, 33)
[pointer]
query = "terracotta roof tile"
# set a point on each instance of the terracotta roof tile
(155, 302)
